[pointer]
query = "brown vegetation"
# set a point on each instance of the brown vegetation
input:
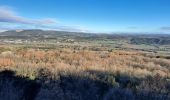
(122, 72)
(133, 64)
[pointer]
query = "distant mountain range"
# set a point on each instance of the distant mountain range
(161, 39)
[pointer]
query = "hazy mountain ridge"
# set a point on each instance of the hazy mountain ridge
(160, 39)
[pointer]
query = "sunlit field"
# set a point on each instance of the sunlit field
(66, 73)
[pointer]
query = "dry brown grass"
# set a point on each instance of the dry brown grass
(134, 64)
(68, 73)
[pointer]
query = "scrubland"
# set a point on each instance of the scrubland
(69, 74)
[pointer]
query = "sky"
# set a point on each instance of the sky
(105, 16)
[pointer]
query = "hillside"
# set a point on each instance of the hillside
(149, 39)
(50, 65)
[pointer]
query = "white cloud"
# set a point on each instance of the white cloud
(7, 14)
(10, 20)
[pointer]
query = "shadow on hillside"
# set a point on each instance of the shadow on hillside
(131, 88)
(98, 85)
(94, 85)
(17, 88)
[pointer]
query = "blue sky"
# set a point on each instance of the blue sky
(86, 15)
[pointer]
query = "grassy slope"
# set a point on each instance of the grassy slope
(83, 74)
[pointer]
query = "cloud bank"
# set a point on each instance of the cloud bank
(10, 20)
(165, 28)
(8, 15)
